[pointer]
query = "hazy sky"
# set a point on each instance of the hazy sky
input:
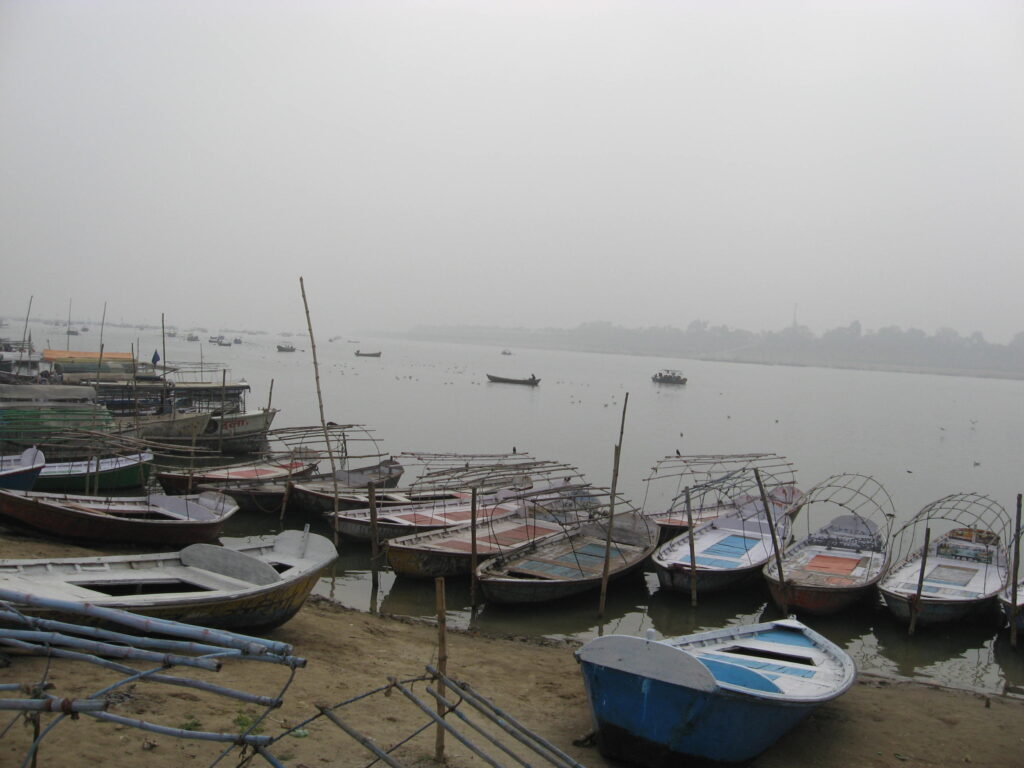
(520, 163)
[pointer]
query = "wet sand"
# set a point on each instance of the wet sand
(877, 723)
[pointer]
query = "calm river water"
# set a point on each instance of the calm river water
(921, 436)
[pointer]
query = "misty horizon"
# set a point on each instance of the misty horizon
(516, 164)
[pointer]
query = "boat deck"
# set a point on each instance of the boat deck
(718, 549)
(949, 578)
(819, 566)
(492, 539)
(572, 560)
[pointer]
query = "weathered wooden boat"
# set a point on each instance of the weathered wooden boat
(286, 347)
(251, 584)
(367, 354)
(20, 472)
(96, 474)
(185, 481)
(835, 565)
(449, 551)
(173, 428)
(952, 575)
(406, 519)
(153, 519)
(728, 550)
(533, 381)
(716, 502)
(723, 696)
(668, 376)
(269, 495)
(567, 564)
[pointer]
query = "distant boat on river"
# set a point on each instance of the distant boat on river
(360, 353)
(533, 381)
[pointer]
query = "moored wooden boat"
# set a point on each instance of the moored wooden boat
(251, 584)
(185, 481)
(567, 564)
(723, 696)
(269, 495)
(406, 519)
(843, 551)
(153, 519)
(20, 472)
(962, 570)
(728, 550)
(96, 474)
(533, 381)
(449, 551)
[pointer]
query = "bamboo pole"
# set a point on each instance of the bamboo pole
(320, 403)
(270, 396)
(611, 512)
(472, 549)
(442, 663)
(223, 409)
(1014, 577)
(769, 513)
(915, 603)
(24, 331)
(371, 489)
(693, 550)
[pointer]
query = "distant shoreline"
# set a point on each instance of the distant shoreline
(876, 367)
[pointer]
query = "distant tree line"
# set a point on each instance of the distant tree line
(889, 348)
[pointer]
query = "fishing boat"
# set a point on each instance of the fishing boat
(367, 354)
(546, 512)
(286, 347)
(19, 472)
(668, 376)
(153, 519)
(184, 481)
(950, 561)
(96, 474)
(715, 500)
(728, 550)
(270, 495)
(192, 337)
(533, 381)
(406, 519)
(450, 551)
(252, 584)
(833, 565)
(568, 564)
(723, 696)
(172, 428)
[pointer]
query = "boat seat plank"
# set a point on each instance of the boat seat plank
(229, 562)
(766, 668)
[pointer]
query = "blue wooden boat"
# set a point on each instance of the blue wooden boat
(20, 472)
(725, 695)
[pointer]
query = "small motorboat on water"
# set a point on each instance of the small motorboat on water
(668, 376)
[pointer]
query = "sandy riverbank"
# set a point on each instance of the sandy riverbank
(877, 723)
